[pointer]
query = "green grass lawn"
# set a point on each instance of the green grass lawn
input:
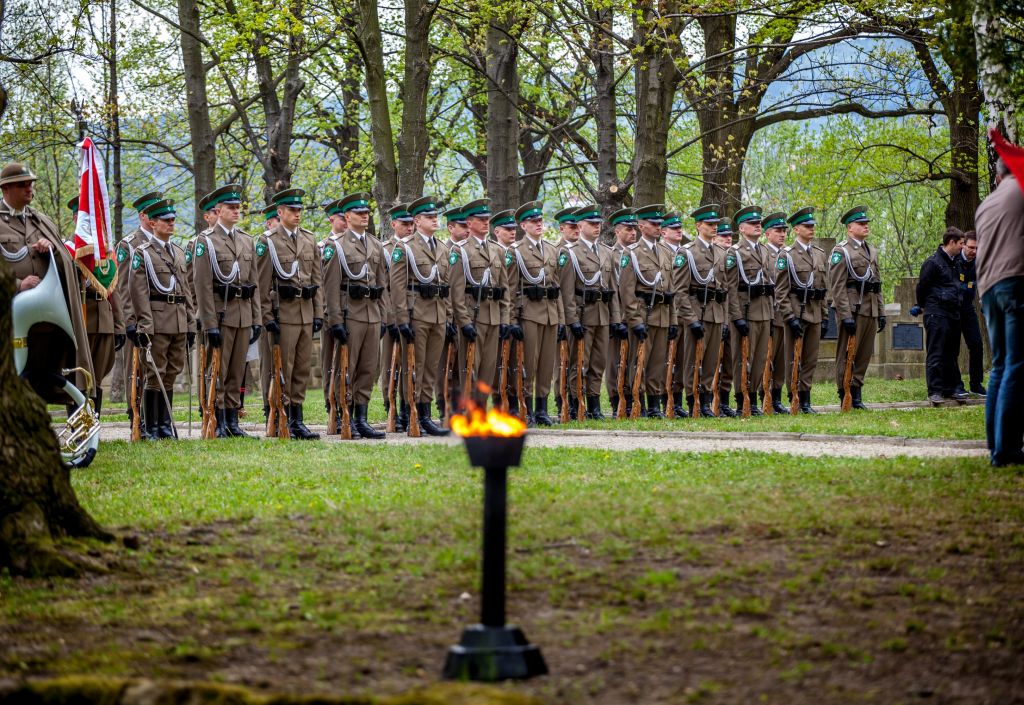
(671, 577)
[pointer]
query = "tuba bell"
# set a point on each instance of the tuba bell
(44, 303)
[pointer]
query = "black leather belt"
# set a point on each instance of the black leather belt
(168, 298)
(361, 291)
(486, 292)
(758, 290)
(592, 296)
(807, 295)
(287, 291)
(431, 291)
(539, 293)
(654, 298)
(706, 295)
(94, 296)
(235, 291)
(869, 287)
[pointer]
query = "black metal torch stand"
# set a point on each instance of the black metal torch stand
(493, 650)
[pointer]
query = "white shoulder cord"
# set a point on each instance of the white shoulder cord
(535, 280)
(485, 279)
(743, 274)
(793, 274)
(703, 281)
(576, 265)
(14, 256)
(343, 263)
(275, 260)
(215, 267)
(154, 280)
(640, 277)
(849, 267)
(416, 270)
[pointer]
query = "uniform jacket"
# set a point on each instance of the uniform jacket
(773, 273)
(432, 267)
(646, 271)
(152, 260)
(534, 261)
(478, 257)
(858, 256)
(302, 249)
(125, 250)
(810, 268)
(576, 259)
(754, 261)
(228, 249)
(705, 260)
(342, 304)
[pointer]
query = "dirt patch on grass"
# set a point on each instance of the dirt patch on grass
(723, 615)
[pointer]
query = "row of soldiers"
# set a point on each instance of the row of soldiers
(457, 310)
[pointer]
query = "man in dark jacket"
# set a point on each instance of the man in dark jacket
(938, 293)
(969, 326)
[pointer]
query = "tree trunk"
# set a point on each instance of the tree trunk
(204, 157)
(37, 503)
(993, 64)
(414, 139)
(502, 113)
(114, 112)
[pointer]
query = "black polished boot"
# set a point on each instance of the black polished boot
(231, 424)
(440, 410)
(558, 405)
(689, 405)
(613, 404)
(841, 395)
(723, 405)
(755, 407)
(402, 418)
(705, 405)
(594, 408)
(805, 402)
(426, 424)
(363, 426)
(150, 415)
(677, 404)
(297, 427)
(777, 406)
(857, 402)
(222, 429)
(531, 422)
(165, 429)
(654, 407)
(540, 412)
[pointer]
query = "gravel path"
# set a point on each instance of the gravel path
(794, 443)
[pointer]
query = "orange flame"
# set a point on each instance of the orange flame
(493, 423)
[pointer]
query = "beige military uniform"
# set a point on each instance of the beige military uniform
(801, 287)
(355, 279)
(538, 295)
(508, 262)
(124, 252)
(49, 348)
(162, 307)
(387, 343)
(855, 286)
(227, 299)
(420, 295)
(681, 302)
(751, 297)
(645, 288)
(704, 281)
(480, 297)
(778, 356)
(614, 253)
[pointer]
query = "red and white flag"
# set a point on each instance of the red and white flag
(1013, 156)
(93, 246)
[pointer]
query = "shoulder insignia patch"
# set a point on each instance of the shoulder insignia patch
(680, 260)
(837, 257)
(136, 261)
(730, 261)
(396, 256)
(508, 258)
(624, 261)
(328, 253)
(122, 254)
(781, 264)
(261, 249)
(200, 249)
(453, 256)
(562, 259)
(188, 257)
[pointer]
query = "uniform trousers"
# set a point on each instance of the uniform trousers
(808, 357)
(540, 351)
(867, 327)
(168, 357)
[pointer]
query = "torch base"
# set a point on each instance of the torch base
(493, 654)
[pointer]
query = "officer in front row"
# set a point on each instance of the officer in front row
(227, 299)
(855, 284)
(801, 286)
(291, 303)
(164, 316)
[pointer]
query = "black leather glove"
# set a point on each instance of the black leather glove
(618, 331)
(561, 332)
(340, 332)
(469, 331)
(577, 331)
(318, 323)
(850, 325)
(256, 330)
(824, 329)
(132, 334)
(119, 339)
(190, 339)
(144, 341)
(640, 331)
(407, 332)
(881, 323)
(795, 327)
(503, 331)
(383, 330)
(393, 332)
(673, 332)
(450, 332)
(741, 327)
(275, 328)
(516, 331)
(696, 330)
(213, 338)
(726, 332)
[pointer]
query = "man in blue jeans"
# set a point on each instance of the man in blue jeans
(999, 223)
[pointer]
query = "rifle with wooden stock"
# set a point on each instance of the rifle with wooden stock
(638, 378)
(670, 411)
(332, 391)
(520, 377)
(410, 365)
(344, 394)
(698, 362)
(620, 381)
(581, 407)
(393, 373)
(766, 378)
(209, 418)
(449, 372)
(563, 372)
(134, 399)
(277, 419)
(794, 382)
(503, 375)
